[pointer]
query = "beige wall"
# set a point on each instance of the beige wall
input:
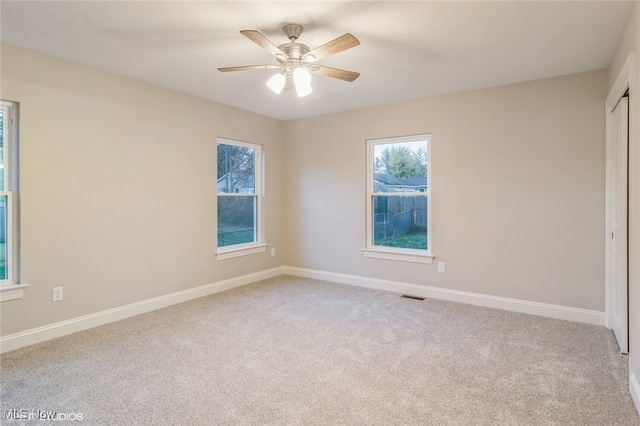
(518, 190)
(630, 43)
(118, 183)
(118, 189)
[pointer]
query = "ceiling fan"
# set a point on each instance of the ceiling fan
(297, 61)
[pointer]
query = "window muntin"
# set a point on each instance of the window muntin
(399, 195)
(239, 183)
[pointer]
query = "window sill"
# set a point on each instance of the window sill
(225, 254)
(413, 256)
(12, 292)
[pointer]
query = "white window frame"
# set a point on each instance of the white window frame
(11, 288)
(393, 253)
(258, 246)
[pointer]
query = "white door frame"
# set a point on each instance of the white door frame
(623, 83)
(617, 201)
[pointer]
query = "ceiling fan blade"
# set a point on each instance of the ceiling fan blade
(249, 67)
(344, 42)
(334, 72)
(263, 42)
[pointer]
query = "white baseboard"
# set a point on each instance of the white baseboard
(634, 388)
(516, 305)
(63, 328)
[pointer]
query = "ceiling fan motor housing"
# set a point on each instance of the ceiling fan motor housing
(294, 51)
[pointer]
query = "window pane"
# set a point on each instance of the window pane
(3, 238)
(2, 162)
(400, 167)
(236, 220)
(400, 221)
(236, 169)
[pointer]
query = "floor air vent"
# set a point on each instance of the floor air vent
(406, 296)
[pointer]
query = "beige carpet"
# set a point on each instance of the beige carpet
(290, 351)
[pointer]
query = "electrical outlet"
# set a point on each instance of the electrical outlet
(57, 294)
(441, 267)
(273, 251)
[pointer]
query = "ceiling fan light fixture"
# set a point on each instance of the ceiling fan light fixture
(302, 80)
(277, 82)
(303, 89)
(301, 75)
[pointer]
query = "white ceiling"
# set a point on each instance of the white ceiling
(408, 50)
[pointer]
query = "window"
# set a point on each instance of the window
(239, 199)
(399, 199)
(9, 276)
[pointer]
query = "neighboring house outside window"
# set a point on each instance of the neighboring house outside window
(399, 199)
(239, 189)
(10, 288)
